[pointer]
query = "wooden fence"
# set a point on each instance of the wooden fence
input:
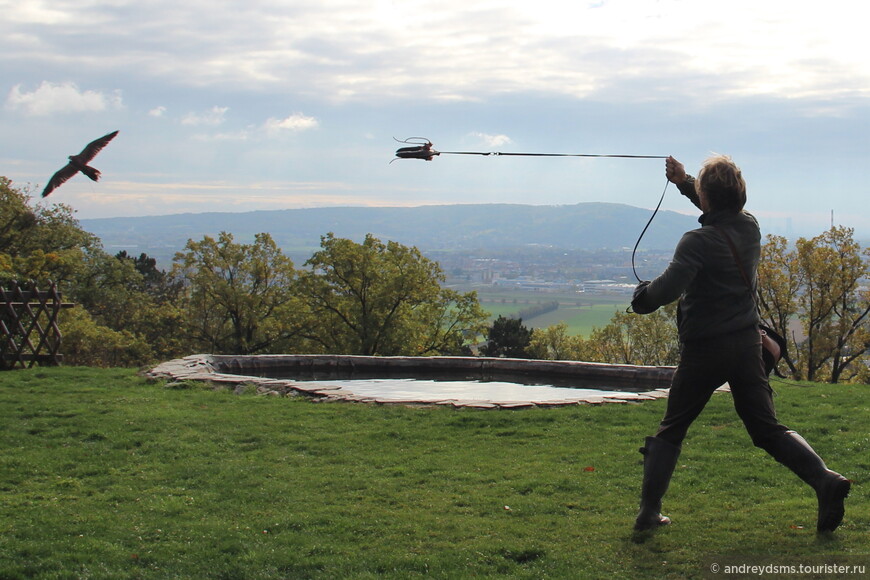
(28, 324)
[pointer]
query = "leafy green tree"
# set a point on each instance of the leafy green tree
(835, 309)
(118, 296)
(40, 243)
(445, 325)
(383, 299)
(87, 342)
(779, 286)
(818, 283)
(113, 322)
(650, 339)
(508, 337)
(554, 343)
(240, 298)
(17, 219)
(154, 281)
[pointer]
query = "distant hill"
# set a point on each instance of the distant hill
(431, 228)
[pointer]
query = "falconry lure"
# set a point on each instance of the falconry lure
(421, 148)
(79, 163)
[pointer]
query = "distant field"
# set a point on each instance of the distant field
(580, 320)
(581, 312)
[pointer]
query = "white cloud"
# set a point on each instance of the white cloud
(295, 122)
(493, 140)
(342, 50)
(51, 98)
(212, 117)
(591, 76)
(23, 13)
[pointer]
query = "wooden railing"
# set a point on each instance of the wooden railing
(28, 326)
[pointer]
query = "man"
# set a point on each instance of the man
(720, 342)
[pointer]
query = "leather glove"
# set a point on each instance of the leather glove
(637, 300)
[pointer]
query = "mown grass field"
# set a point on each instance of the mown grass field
(107, 475)
(581, 312)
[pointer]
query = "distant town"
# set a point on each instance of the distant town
(551, 270)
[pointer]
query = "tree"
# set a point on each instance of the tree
(779, 285)
(119, 295)
(508, 337)
(113, 322)
(40, 243)
(383, 299)
(239, 298)
(818, 283)
(17, 219)
(447, 325)
(154, 281)
(835, 311)
(87, 342)
(650, 339)
(554, 343)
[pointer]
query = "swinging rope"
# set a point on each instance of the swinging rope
(421, 148)
(640, 237)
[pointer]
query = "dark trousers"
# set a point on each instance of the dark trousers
(706, 365)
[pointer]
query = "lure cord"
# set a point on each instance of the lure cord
(421, 148)
(498, 154)
(655, 211)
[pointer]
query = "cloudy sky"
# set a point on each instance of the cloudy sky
(255, 104)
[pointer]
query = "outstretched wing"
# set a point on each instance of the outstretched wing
(63, 174)
(93, 148)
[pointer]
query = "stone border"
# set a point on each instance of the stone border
(243, 372)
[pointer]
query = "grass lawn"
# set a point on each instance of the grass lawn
(107, 475)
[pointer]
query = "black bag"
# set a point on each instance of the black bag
(772, 349)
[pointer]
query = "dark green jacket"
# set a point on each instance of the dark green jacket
(714, 298)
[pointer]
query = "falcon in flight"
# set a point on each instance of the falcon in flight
(79, 163)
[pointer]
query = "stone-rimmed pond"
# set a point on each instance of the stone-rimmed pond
(459, 381)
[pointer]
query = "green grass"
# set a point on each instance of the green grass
(105, 475)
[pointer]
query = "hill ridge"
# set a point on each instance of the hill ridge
(581, 226)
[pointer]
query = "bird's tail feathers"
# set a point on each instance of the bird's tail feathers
(94, 174)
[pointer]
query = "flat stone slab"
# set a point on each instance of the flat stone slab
(204, 367)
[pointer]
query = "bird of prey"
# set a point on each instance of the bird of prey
(79, 163)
